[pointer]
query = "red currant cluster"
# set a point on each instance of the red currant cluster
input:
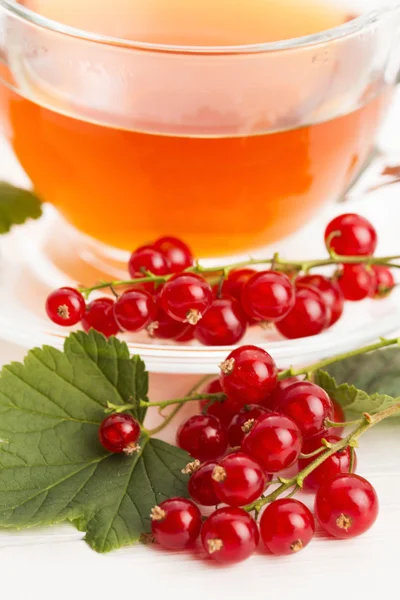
(261, 428)
(352, 235)
(172, 299)
(138, 307)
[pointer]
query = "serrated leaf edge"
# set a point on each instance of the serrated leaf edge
(329, 384)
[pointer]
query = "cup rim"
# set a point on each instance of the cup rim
(353, 27)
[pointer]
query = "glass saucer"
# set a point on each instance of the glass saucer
(30, 269)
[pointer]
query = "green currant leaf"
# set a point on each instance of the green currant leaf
(141, 378)
(364, 383)
(127, 376)
(52, 466)
(16, 206)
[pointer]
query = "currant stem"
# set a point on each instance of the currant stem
(219, 397)
(366, 422)
(276, 262)
(113, 284)
(332, 424)
(119, 408)
(352, 458)
(197, 396)
(293, 492)
(383, 343)
(167, 420)
(315, 453)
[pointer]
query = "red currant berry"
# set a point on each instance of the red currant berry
(176, 252)
(338, 417)
(346, 505)
(335, 464)
(148, 286)
(357, 282)
(148, 259)
(99, 315)
(224, 411)
(229, 535)
(238, 479)
(134, 310)
(201, 486)
(309, 316)
(223, 324)
(186, 297)
(273, 400)
(65, 306)
(351, 235)
(275, 442)
(384, 282)
(213, 387)
(165, 328)
(144, 247)
(243, 422)
(175, 523)
(119, 433)
(268, 296)
(187, 335)
(248, 375)
(331, 293)
(286, 526)
(203, 437)
(234, 283)
(307, 405)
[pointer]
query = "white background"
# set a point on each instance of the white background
(57, 564)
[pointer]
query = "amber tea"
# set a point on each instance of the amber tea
(239, 173)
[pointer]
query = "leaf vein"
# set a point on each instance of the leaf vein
(54, 484)
(39, 414)
(95, 363)
(134, 463)
(66, 381)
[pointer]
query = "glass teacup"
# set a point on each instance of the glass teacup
(228, 145)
